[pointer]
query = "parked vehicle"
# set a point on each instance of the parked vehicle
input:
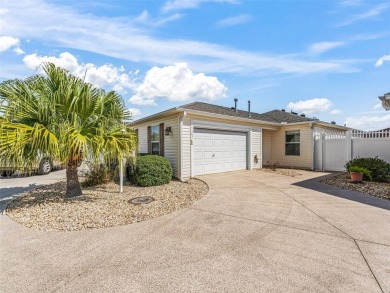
(43, 167)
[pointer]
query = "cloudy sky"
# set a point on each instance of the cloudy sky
(328, 59)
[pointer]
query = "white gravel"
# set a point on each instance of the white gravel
(377, 189)
(285, 172)
(46, 208)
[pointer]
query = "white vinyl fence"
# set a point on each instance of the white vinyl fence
(333, 150)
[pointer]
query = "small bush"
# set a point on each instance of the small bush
(152, 170)
(366, 173)
(273, 165)
(98, 174)
(379, 168)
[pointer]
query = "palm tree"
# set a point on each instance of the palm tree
(61, 116)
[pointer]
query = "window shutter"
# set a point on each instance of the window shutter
(162, 135)
(136, 136)
(149, 139)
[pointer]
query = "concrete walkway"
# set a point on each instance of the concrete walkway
(253, 232)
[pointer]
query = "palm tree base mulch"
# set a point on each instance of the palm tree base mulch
(377, 189)
(47, 208)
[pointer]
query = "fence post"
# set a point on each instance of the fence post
(348, 137)
(323, 151)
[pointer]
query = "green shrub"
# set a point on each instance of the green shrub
(152, 170)
(98, 174)
(379, 168)
(366, 173)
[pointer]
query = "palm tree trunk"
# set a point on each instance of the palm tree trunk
(73, 187)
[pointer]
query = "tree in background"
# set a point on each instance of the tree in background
(61, 116)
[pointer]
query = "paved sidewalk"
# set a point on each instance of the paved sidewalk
(253, 232)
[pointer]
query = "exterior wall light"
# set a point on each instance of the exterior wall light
(385, 99)
(168, 130)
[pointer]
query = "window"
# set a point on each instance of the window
(293, 143)
(155, 139)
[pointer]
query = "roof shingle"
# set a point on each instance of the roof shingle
(275, 116)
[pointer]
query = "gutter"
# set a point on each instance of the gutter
(181, 117)
(227, 117)
(319, 123)
(154, 116)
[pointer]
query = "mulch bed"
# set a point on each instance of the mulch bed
(46, 208)
(377, 189)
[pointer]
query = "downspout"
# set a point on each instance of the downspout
(181, 117)
(313, 146)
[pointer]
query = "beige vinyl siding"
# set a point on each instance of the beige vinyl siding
(186, 140)
(256, 147)
(171, 142)
(305, 159)
(267, 146)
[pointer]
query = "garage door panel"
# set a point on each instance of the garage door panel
(207, 142)
(198, 143)
(218, 155)
(198, 155)
(218, 151)
(218, 142)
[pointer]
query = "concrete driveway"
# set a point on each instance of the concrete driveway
(11, 188)
(253, 232)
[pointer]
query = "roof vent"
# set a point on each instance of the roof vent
(283, 110)
(295, 113)
(303, 115)
(249, 108)
(333, 122)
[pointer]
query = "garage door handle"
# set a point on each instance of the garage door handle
(213, 155)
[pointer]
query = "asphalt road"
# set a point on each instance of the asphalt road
(13, 187)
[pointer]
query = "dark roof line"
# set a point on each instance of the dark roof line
(275, 116)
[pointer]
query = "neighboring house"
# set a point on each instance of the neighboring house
(201, 138)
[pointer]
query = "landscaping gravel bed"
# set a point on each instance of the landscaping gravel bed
(46, 208)
(377, 189)
(285, 172)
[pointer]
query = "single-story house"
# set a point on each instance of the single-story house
(201, 138)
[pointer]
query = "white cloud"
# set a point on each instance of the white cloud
(349, 3)
(146, 19)
(336, 112)
(310, 106)
(134, 112)
(7, 43)
(39, 21)
(369, 122)
(3, 11)
(378, 10)
(321, 47)
(235, 20)
(100, 76)
(382, 59)
(177, 83)
(190, 4)
(378, 106)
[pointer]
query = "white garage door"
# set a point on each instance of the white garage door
(218, 151)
